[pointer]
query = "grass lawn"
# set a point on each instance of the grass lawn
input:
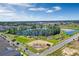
(58, 38)
(23, 39)
(22, 52)
(32, 49)
(54, 41)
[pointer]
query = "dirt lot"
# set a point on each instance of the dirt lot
(40, 44)
(71, 49)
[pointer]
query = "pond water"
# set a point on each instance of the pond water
(70, 31)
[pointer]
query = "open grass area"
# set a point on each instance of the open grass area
(59, 38)
(23, 39)
(32, 49)
(54, 41)
(22, 52)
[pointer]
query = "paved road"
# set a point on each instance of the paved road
(30, 53)
(54, 48)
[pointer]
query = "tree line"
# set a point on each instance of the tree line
(36, 30)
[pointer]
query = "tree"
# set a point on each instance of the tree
(33, 26)
(12, 31)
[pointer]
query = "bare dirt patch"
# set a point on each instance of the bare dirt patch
(75, 44)
(40, 44)
(72, 48)
(69, 51)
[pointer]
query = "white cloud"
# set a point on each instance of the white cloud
(5, 11)
(13, 17)
(7, 14)
(49, 11)
(27, 5)
(37, 9)
(23, 4)
(56, 8)
(53, 9)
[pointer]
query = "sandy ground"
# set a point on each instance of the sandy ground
(69, 51)
(39, 44)
(76, 44)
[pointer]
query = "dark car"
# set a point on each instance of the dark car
(17, 43)
(26, 48)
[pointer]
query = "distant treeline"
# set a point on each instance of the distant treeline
(36, 22)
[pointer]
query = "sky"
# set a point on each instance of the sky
(39, 11)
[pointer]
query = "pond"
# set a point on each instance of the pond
(70, 31)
